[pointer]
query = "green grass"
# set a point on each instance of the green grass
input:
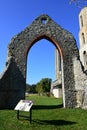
(47, 114)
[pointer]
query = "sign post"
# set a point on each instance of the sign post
(24, 105)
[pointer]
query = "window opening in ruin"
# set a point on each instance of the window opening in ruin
(44, 20)
(83, 37)
(84, 52)
(81, 19)
(85, 58)
(41, 52)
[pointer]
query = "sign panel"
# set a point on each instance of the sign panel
(24, 105)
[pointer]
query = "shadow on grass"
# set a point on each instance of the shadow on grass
(39, 107)
(54, 122)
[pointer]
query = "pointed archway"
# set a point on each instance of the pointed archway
(40, 62)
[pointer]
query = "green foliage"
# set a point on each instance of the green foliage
(28, 88)
(31, 88)
(39, 88)
(44, 85)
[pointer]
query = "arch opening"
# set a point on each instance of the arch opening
(56, 84)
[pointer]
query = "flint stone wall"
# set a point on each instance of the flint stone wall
(13, 79)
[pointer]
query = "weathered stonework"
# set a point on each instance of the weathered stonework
(13, 79)
(83, 37)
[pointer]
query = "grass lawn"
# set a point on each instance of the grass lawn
(47, 114)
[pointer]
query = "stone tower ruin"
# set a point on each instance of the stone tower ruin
(83, 37)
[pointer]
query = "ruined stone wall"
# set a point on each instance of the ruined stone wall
(13, 80)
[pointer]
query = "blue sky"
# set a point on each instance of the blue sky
(15, 15)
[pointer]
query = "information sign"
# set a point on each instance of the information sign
(24, 105)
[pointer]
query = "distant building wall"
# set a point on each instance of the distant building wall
(56, 86)
(57, 64)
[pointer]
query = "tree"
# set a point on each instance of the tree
(28, 88)
(39, 88)
(44, 85)
(79, 3)
(31, 88)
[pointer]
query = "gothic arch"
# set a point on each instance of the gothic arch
(13, 79)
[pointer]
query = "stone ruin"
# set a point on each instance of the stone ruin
(13, 79)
